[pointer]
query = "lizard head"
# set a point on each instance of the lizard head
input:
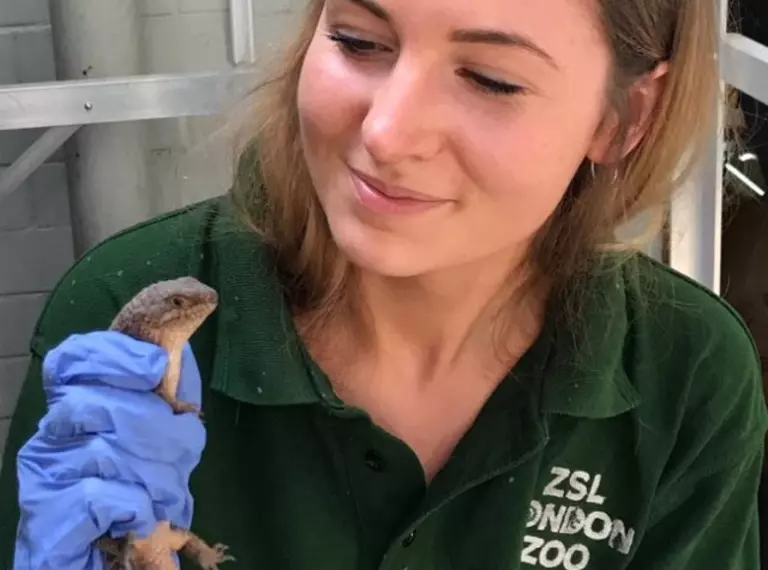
(167, 312)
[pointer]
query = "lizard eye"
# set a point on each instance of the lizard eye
(177, 302)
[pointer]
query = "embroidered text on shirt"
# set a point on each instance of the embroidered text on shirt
(578, 487)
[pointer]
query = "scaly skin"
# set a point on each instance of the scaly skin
(166, 313)
(155, 551)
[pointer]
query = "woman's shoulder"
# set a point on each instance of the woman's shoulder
(684, 315)
(185, 241)
(693, 361)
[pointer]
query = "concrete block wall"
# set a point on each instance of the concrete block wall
(188, 158)
(35, 237)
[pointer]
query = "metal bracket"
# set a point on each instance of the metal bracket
(33, 157)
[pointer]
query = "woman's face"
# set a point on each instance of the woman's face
(444, 132)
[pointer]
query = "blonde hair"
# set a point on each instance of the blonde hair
(274, 193)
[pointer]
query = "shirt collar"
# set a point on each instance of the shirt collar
(586, 373)
(261, 359)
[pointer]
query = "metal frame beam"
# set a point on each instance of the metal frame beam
(33, 157)
(744, 65)
(64, 106)
(90, 101)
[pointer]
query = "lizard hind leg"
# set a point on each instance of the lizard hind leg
(179, 407)
(207, 557)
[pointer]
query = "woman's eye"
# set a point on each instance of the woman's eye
(491, 86)
(359, 47)
(354, 45)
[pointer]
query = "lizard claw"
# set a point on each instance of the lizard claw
(184, 407)
(210, 558)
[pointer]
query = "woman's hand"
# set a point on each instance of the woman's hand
(109, 456)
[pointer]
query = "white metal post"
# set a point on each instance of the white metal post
(243, 31)
(695, 233)
(106, 164)
(696, 216)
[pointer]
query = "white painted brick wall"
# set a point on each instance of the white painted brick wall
(23, 12)
(19, 311)
(192, 6)
(35, 238)
(40, 202)
(4, 424)
(156, 7)
(186, 158)
(189, 159)
(12, 371)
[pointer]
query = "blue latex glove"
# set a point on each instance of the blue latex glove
(109, 456)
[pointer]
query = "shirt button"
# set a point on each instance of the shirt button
(408, 540)
(374, 461)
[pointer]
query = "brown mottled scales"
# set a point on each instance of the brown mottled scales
(165, 313)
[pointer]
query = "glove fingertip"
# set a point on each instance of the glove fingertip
(106, 357)
(139, 358)
(190, 386)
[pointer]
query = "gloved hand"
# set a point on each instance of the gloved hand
(109, 456)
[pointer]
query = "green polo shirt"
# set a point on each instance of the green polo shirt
(635, 442)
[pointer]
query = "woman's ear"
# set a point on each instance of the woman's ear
(642, 98)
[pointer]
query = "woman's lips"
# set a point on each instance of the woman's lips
(377, 197)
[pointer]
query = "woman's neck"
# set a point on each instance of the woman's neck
(429, 324)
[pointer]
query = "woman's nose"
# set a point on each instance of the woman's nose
(404, 118)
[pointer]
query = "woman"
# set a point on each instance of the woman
(430, 353)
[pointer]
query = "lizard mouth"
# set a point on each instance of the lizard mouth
(185, 324)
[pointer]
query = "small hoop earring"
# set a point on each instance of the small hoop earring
(614, 177)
